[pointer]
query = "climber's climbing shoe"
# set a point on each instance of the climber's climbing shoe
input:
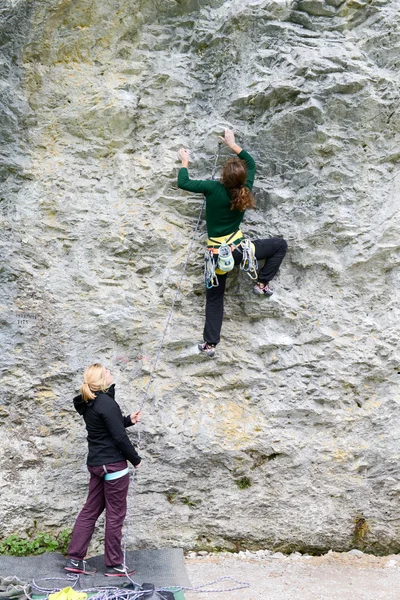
(207, 349)
(262, 289)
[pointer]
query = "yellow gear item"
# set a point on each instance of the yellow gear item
(68, 594)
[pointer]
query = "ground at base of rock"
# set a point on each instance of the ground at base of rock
(330, 577)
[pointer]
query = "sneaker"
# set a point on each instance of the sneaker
(75, 565)
(262, 291)
(118, 571)
(208, 349)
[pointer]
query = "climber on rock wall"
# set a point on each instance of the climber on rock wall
(226, 203)
(109, 449)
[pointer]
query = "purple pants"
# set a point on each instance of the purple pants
(109, 495)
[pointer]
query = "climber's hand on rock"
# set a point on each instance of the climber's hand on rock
(137, 466)
(184, 156)
(229, 138)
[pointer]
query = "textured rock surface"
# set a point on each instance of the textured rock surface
(303, 398)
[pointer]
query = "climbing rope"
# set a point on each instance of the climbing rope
(154, 365)
(147, 389)
(117, 593)
(132, 595)
(210, 277)
(240, 585)
(72, 580)
(178, 289)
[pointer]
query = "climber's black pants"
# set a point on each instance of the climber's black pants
(273, 250)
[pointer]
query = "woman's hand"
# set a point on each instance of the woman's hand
(184, 156)
(136, 417)
(229, 140)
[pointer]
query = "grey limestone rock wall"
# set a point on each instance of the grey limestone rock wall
(290, 437)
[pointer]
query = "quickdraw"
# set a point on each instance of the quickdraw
(249, 262)
(210, 276)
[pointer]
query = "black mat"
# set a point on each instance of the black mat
(163, 567)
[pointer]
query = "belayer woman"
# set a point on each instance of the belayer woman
(226, 204)
(109, 449)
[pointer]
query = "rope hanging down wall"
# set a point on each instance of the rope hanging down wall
(204, 587)
(169, 317)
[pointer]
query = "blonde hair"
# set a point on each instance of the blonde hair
(94, 380)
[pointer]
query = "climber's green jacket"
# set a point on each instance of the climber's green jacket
(220, 219)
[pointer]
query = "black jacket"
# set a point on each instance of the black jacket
(107, 438)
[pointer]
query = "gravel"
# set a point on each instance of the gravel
(334, 576)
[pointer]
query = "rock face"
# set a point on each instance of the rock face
(289, 438)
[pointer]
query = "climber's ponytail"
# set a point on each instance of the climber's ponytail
(234, 176)
(94, 380)
(242, 198)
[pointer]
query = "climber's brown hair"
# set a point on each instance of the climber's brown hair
(234, 176)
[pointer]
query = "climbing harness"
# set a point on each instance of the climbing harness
(249, 262)
(223, 250)
(225, 261)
